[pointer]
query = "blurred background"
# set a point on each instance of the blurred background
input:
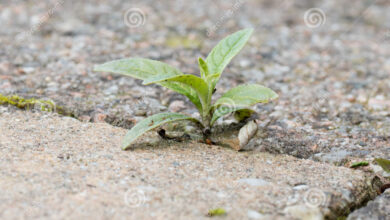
(328, 60)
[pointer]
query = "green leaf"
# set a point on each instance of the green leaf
(247, 95)
(144, 69)
(385, 164)
(204, 70)
(241, 97)
(359, 164)
(138, 68)
(212, 77)
(191, 81)
(190, 93)
(150, 123)
(225, 50)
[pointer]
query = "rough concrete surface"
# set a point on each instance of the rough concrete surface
(375, 210)
(56, 167)
(332, 79)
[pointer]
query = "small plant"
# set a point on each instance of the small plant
(198, 90)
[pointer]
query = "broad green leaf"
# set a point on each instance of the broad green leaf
(247, 95)
(385, 164)
(241, 97)
(183, 89)
(225, 50)
(210, 78)
(194, 82)
(151, 123)
(140, 68)
(204, 70)
(158, 79)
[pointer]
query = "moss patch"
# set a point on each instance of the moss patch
(216, 212)
(30, 104)
(359, 164)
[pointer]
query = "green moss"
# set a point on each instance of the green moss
(216, 212)
(28, 104)
(359, 164)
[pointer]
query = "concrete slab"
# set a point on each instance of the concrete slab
(58, 167)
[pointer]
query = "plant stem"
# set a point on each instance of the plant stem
(206, 131)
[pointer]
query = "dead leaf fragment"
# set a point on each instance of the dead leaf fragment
(246, 133)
